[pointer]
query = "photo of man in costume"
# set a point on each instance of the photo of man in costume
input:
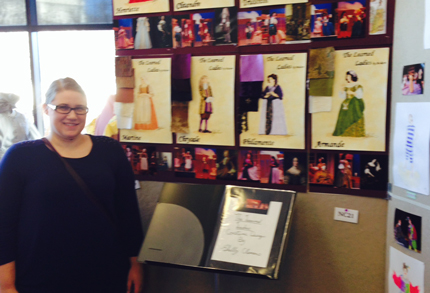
(407, 230)
(206, 100)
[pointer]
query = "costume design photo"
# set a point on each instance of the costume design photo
(124, 33)
(350, 121)
(142, 39)
(145, 117)
(205, 163)
(322, 20)
(226, 26)
(272, 119)
(184, 162)
(298, 22)
(351, 19)
(295, 168)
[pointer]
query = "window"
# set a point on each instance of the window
(55, 39)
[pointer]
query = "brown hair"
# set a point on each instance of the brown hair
(60, 85)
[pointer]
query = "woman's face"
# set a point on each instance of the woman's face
(295, 162)
(205, 79)
(348, 78)
(67, 126)
(271, 81)
(248, 156)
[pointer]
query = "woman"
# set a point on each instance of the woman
(188, 161)
(273, 28)
(294, 174)
(249, 29)
(249, 171)
(144, 160)
(206, 99)
(142, 40)
(274, 176)
(343, 26)
(145, 117)
(350, 121)
(54, 238)
(272, 119)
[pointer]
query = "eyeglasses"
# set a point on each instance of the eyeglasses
(66, 109)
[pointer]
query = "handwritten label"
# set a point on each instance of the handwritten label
(253, 141)
(246, 238)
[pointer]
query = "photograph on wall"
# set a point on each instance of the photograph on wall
(351, 19)
(152, 106)
(295, 166)
(226, 164)
(204, 29)
(164, 160)
(183, 5)
(275, 26)
(321, 168)
(357, 120)
(250, 28)
(125, 7)
(347, 174)
(184, 160)
(142, 158)
(253, 3)
(226, 26)
(142, 33)
(323, 20)
(123, 29)
(407, 230)
(272, 167)
(378, 17)
(211, 111)
(278, 120)
(205, 163)
(161, 31)
(410, 150)
(298, 21)
(413, 79)
(249, 166)
(374, 172)
(405, 274)
(183, 31)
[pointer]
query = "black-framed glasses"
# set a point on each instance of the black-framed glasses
(66, 109)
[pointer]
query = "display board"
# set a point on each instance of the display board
(250, 102)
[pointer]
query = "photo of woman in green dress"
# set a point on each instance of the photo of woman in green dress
(350, 121)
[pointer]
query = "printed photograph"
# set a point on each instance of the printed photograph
(407, 230)
(374, 172)
(298, 21)
(226, 26)
(143, 159)
(226, 164)
(347, 168)
(249, 166)
(123, 29)
(413, 79)
(322, 20)
(321, 168)
(164, 161)
(204, 29)
(351, 19)
(184, 161)
(205, 163)
(272, 167)
(274, 27)
(142, 37)
(378, 17)
(295, 166)
(161, 31)
(250, 28)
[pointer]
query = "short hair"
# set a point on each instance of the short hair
(62, 84)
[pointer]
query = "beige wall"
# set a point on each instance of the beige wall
(322, 255)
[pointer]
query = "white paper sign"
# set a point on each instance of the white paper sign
(246, 238)
(411, 147)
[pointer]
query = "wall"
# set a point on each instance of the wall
(408, 49)
(322, 255)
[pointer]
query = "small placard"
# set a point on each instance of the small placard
(411, 194)
(346, 215)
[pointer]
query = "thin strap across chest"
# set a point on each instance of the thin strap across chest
(81, 183)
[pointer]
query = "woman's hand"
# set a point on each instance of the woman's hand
(135, 276)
